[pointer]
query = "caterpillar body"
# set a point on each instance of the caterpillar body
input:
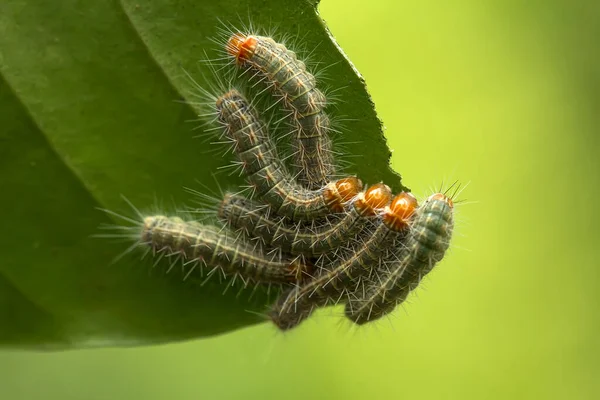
(268, 176)
(425, 245)
(349, 271)
(281, 69)
(219, 248)
(299, 239)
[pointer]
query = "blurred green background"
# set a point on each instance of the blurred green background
(502, 94)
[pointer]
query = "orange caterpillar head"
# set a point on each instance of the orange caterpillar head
(241, 47)
(397, 215)
(442, 197)
(341, 191)
(374, 199)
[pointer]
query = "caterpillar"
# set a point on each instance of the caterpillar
(281, 69)
(218, 248)
(291, 310)
(426, 243)
(268, 176)
(300, 239)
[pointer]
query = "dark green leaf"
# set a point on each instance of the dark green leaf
(90, 110)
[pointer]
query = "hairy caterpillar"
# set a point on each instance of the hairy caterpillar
(264, 170)
(289, 311)
(281, 69)
(218, 248)
(301, 239)
(425, 245)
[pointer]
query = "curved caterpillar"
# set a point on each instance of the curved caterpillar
(264, 170)
(256, 221)
(425, 245)
(291, 310)
(288, 76)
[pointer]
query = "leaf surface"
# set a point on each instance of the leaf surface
(96, 104)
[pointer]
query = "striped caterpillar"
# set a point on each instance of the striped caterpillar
(280, 68)
(256, 221)
(217, 247)
(289, 311)
(267, 174)
(425, 245)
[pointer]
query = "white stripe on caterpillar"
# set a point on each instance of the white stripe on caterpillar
(348, 272)
(425, 245)
(301, 239)
(271, 181)
(282, 70)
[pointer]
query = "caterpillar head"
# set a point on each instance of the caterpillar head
(397, 215)
(241, 47)
(373, 200)
(337, 193)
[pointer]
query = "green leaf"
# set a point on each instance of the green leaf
(90, 97)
